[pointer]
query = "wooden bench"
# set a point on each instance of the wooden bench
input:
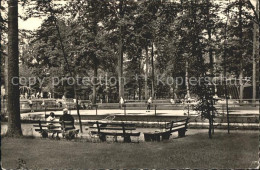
(179, 126)
(51, 127)
(114, 129)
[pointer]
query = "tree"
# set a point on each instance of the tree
(14, 120)
(205, 105)
(255, 53)
(3, 47)
(91, 44)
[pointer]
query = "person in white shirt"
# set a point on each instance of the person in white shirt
(50, 119)
(49, 95)
(43, 104)
(172, 101)
(122, 102)
(149, 104)
(30, 104)
(41, 95)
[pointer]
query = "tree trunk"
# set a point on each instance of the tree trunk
(255, 54)
(210, 127)
(14, 120)
(146, 73)
(210, 121)
(120, 55)
(209, 38)
(94, 99)
(240, 52)
(211, 60)
(77, 106)
(6, 74)
(153, 85)
(139, 78)
(6, 85)
(67, 63)
(187, 79)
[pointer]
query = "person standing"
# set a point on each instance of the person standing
(30, 104)
(49, 95)
(149, 104)
(41, 95)
(172, 101)
(122, 102)
(43, 104)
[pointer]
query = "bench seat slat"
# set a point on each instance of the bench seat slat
(44, 122)
(113, 123)
(53, 126)
(49, 130)
(117, 133)
(113, 128)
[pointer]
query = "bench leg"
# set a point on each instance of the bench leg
(44, 134)
(166, 136)
(102, 138)
(147, 137)
(157, 137)
(181, 133)
(57, 136)
(115, 137)
(127, 139)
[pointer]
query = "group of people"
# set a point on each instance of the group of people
(65, 117)
(38, 95)
(148, 107)
(43, 105)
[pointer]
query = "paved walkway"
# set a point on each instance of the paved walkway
(136, 112)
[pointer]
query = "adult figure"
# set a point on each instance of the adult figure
(30, 104)
(149, 101)
(63, 97)
(41, 95)
(37, 95)
(172, 101)
(122, 102)
(89, 105)
(49, 95)
(43, 103)
(67, 117)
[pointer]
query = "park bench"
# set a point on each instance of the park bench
(64, 127)
(179, 126)
(115, 129)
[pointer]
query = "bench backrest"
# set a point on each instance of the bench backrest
(114, 126)
(183, 122)
(64, 124)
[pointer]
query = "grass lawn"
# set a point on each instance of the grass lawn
(236, 150)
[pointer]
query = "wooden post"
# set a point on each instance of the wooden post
(188, 109)
(125, 109)
(40, 124)
(98, 127)
(45, 113)
(155, 110)
(96, 109)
